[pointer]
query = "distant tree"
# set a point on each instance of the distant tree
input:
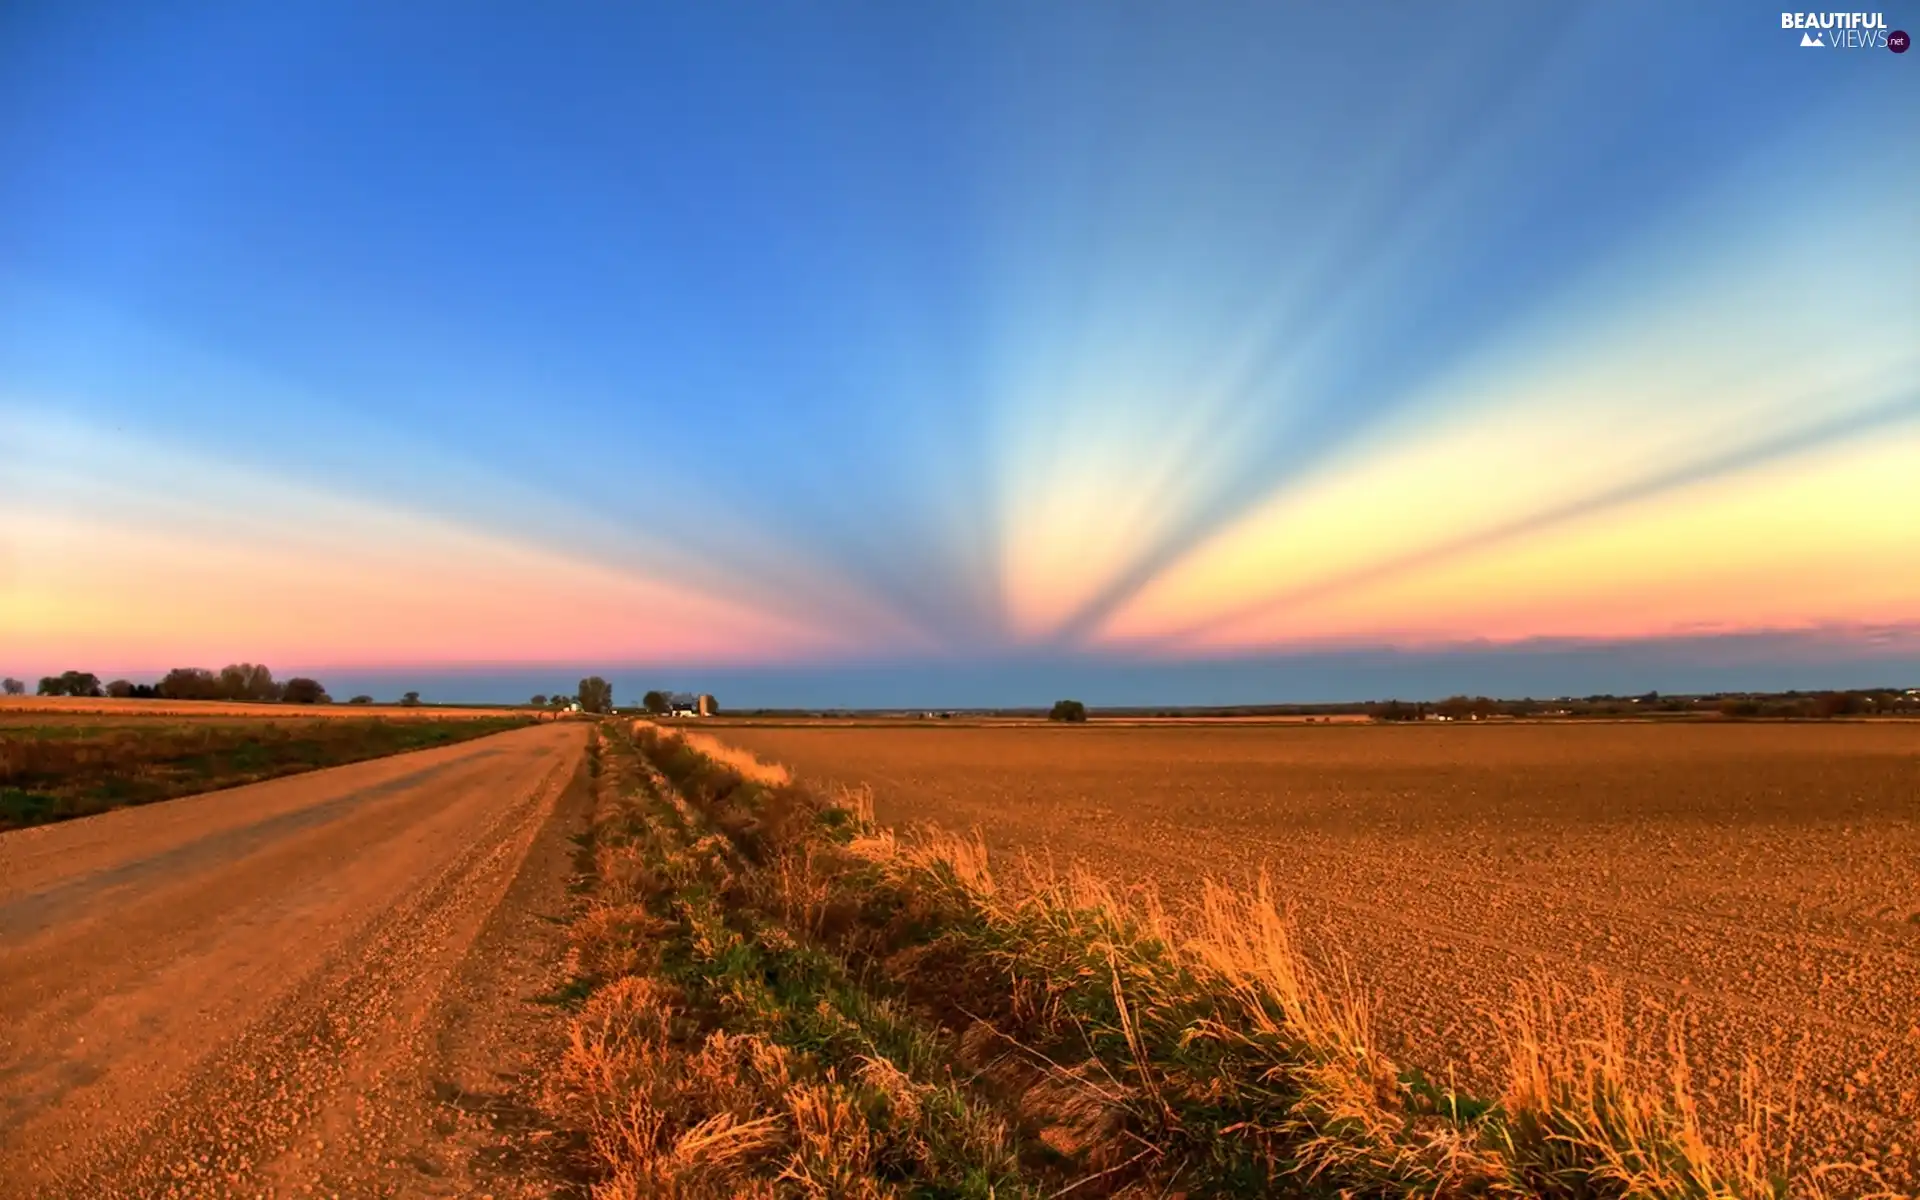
(361, 700)
(189, 683)
(51, 685)
(538, 701)
(1394, 710)
(1067, 710)
(13, 687)
(1462, 708)
(1836, 704)
(248, 681)
(260, 684)
(596, 694)
(300, 690)
(144, 691)
(74, 683)
(120, 689)
(233, 681)
(656, 703)
(410, 699)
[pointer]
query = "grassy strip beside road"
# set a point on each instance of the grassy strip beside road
(779, 998)
(721, 1050)
(55, 772)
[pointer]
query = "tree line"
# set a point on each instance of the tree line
(660, 703)
(249, 682)
(594, 695)
(1817, 705)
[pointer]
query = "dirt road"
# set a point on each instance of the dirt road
(316, 985)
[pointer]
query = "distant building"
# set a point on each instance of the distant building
(708, 706)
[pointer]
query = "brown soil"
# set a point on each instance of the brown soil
(323, 984)
(1759, 884)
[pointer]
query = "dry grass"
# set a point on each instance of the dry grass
(734, 758)
(695, 1068)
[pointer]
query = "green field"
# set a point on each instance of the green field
(61, 769)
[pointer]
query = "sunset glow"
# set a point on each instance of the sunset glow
(1103, 338)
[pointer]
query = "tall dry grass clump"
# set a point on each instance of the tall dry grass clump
(786, 999)
(744, 762)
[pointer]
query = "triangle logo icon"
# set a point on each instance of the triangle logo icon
(1811, 39)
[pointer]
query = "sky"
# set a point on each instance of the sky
(960, 353)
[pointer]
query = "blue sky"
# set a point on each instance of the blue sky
(936, 353)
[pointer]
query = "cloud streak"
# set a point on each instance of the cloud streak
(146, 555)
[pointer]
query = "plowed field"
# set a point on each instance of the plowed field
(1755, 886)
